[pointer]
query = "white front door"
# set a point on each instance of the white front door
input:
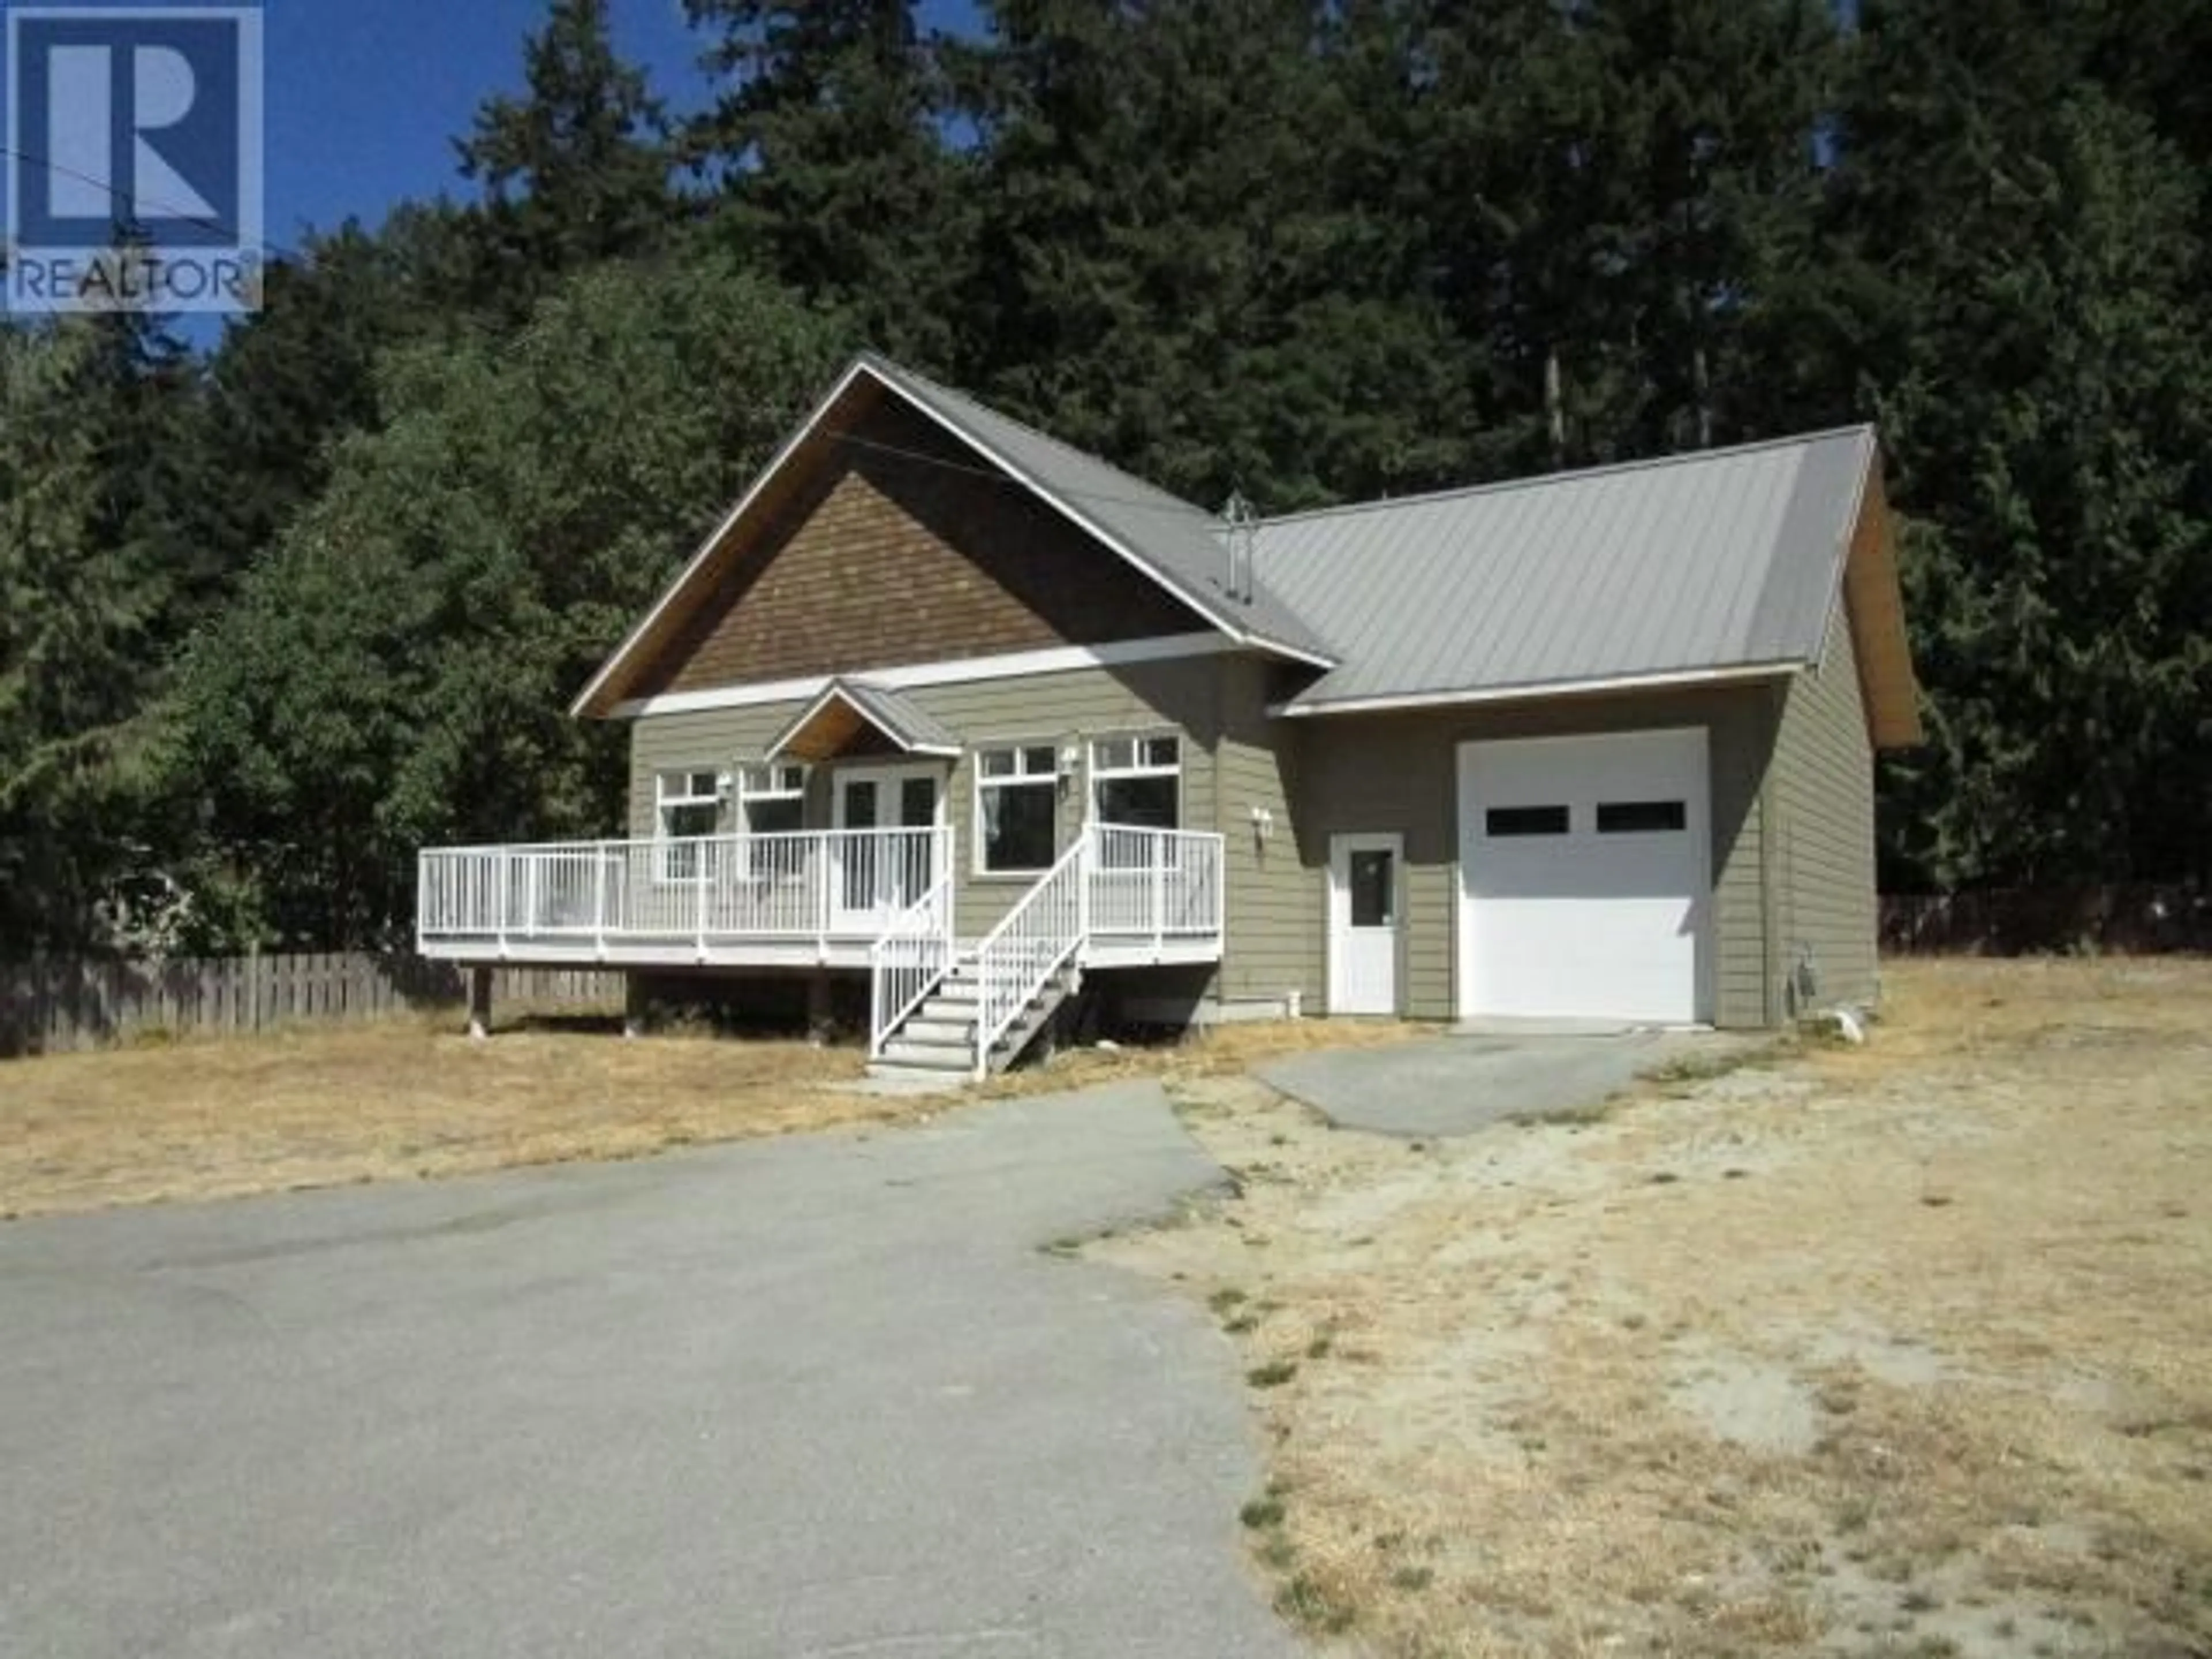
(875, 876)
(1364, 875)
(1584, 884)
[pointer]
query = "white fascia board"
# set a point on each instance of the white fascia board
(1538, 691)
(1312, 659)
(805, 430)
(967, 671)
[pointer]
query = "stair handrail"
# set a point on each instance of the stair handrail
(911, 957)
(1019, 957)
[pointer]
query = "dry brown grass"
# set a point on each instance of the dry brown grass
(408, 1099)
(1901, 1349)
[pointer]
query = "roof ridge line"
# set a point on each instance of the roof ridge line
(1539, 480)
(876, 361)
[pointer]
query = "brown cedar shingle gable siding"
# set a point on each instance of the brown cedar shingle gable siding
(887, 560)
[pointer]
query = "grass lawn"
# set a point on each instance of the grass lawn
(1899, 1349)
(410, 1099)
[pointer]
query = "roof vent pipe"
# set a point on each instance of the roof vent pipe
(1239, 545)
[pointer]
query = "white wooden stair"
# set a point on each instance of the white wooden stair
(938, 1038)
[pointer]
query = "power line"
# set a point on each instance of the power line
(991, 474)
(48, 164)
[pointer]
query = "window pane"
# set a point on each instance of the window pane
(774, 818)
(1113, 755)
(1017, 827)
(1642, 817)
(1140, 803)
(1162, 751)
(681, 821)
(860, 803)
(1527, 821)
(917, 803)
(997, 762)
(1373, 889)
(1039, 763)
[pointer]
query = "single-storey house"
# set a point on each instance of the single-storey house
(963, 718)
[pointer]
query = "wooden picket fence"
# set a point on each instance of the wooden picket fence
(52, 1004)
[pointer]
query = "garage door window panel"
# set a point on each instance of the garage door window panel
(1642, 818)
(1510, 822)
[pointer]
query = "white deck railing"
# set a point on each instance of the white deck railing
(820, 886)
(706, 898)
(1040, 936)
(1155, 884)
(908, 963)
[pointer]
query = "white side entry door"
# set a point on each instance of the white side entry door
(1365, 877)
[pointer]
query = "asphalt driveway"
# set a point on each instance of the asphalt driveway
(807, 1398)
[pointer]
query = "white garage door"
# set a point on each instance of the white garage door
(1584, 880)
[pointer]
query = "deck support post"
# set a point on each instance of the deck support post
(819, 1021)
(480, 1004)
(634, 1002)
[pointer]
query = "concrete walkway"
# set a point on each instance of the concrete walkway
(813, 1397)
(1458, 1085)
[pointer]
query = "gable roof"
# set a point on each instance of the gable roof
(1169, 540)
(1177, 544)
(848, 701)
(1718, 563)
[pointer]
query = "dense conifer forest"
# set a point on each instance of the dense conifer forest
(277, 612)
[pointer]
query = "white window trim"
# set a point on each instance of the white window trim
(665, 802)
(747, 865)
(1102, 774)
(776, 770)
(1018, 747)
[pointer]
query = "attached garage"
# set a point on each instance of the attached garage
(1585, 884)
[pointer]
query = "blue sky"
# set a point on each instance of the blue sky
(366, 96)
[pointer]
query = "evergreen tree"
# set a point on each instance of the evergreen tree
(397, 673)
(73, 609)
(2052, 432)
(577, 170)
(825, 148)
(1177, 269)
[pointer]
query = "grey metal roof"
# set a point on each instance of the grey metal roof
(901, 719)
(1716, 559)
(900, 716)
(1178, 543)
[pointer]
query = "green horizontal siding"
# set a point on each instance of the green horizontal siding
(1825, 847)
(1179, 697)
(1401, 772)
(1342, 775)
(1275, 906)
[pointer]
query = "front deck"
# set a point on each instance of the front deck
(816, 899)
